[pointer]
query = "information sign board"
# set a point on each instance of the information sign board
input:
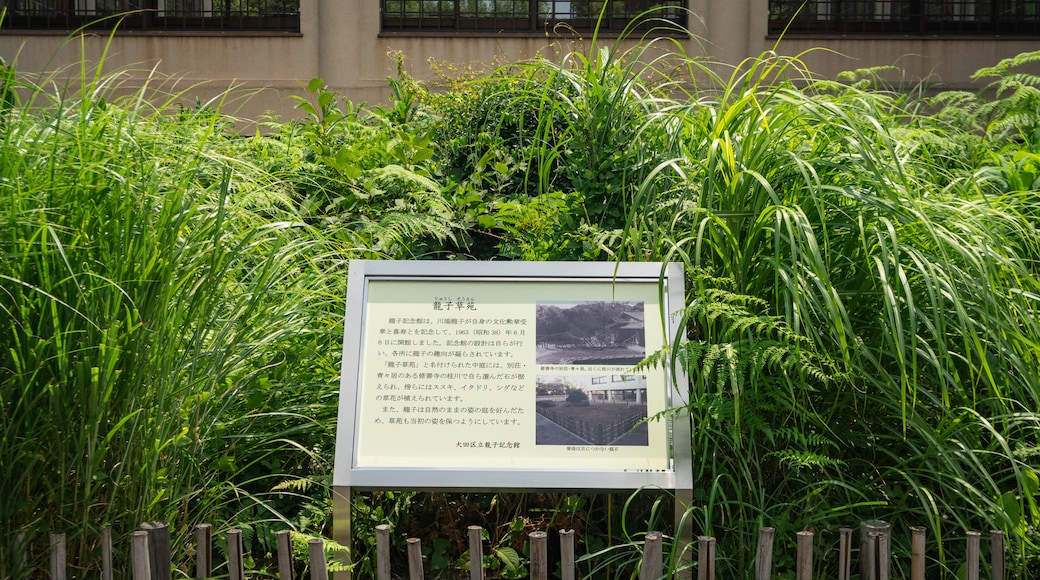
(509, 375)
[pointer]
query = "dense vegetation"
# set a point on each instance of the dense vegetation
(863, 338)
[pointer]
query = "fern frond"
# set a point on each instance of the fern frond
(398, 227)
(300, 484)
(1013, 123)
(1001, 69)
(799, 460)
(301, 543)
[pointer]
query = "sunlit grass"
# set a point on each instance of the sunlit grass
(909, 284)
(160, 300)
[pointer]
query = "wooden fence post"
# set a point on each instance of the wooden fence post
(869, 557)
(917, 552)
(844, 553)
(875, 554)
(415, 563)
(805, 556)
(316, 553)
(764, 554)
(476, 554)
(159, 549)
(539, 555)
(567, 554)
(140, 562)
(973, 542)
(879, 542)
(705, 558)
(20, 557)
(650, 567)
(383, 552)
(236, 567)
(106, 552)
(203, 551)
(996, 543)
(285, 559)
(58, 556)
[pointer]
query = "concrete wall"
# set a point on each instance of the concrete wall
(944, 64)
(265, 67)
(340, 42)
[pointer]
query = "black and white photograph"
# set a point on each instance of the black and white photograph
(605, 409)
(590, 333)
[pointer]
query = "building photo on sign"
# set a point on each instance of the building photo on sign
(591, 410)
(591, 333)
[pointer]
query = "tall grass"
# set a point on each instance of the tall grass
(895, 299)
(559, 142)
(863, 289)
(159, 304)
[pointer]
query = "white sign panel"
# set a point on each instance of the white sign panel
(508, 375)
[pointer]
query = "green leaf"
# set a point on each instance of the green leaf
(1031, 482)
(307, 107)
(509, 557)
(352, 171)
(325, 98)
(422, 155)
(1009, 505)
(226, 464)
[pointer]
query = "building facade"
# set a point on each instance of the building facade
(203, 47)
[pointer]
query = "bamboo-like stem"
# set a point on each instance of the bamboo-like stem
(106, 553)
(159, 549)
(58, 556)
(476, 554)
(764, 554)
(705, 558)
(383, 552)
(285, 558)
(651, 564)
(844, 553)
(972, 549)
(917, 553)
(415, 562)
(236, 566)
(567, 554)
(316, 555)
(539, 555)
(140, 562)
(203, 551)
(804, 561)
(997, 554)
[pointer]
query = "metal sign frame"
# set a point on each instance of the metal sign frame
(373, 288)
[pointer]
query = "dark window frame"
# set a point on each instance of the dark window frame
(937, 18)
(144, 16)
(537, 17)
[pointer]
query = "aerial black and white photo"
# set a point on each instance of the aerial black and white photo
(587, 333)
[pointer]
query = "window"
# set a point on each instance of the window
(530, 16)
(916, 17)
(223, 15)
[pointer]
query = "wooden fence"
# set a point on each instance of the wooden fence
(150, 557)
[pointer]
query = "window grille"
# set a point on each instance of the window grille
(530, 16)
(222, 15)
(906, 17)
